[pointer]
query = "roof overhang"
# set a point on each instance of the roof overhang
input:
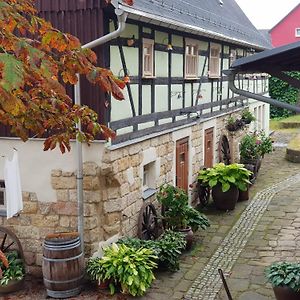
(275, 62)
(173, 24)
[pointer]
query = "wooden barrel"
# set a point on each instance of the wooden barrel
(63, 265)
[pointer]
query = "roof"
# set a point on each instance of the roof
(295, 8)
(203, 17)
(266, 34)
(284, 58)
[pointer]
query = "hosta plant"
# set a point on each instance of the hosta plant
(226, 176)
(284, 274)
(167, 248)
(127, 267)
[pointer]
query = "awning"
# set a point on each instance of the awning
(275, 62)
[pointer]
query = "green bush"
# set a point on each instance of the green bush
(282, 91)
(167, 248)
(128, 267)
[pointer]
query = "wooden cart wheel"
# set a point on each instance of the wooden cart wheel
(203, 193)
(224, 150)
(9, 242)
(148, 227)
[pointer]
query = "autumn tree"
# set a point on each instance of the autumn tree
(35, 59)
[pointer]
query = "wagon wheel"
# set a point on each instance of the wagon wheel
(148, 227)
(203, 193)
(9, 242)
(224, 150)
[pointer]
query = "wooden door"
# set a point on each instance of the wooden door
(182, 160)
(208, 147)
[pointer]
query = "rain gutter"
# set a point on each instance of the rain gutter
(231, 73)
(122, 16)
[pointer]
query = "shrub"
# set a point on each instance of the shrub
(167, 248)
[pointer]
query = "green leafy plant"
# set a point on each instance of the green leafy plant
(284, 274)
(128, 267)
(226, 175)
(247, 116)
(265, 145)
(14, 270)
(249, 148)
(167, 248)
(177, 212)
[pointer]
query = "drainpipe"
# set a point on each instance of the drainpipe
(231, 73)
(122, 16)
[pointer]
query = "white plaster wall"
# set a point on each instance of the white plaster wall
(36, 164)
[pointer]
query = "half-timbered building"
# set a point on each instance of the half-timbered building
(171, 123)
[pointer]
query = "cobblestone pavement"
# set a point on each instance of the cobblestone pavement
(273, 237)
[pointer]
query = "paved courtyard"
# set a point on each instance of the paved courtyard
(242, 242)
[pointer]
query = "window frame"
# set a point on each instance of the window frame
(214, 59)
(2, 190)
(191, 57)
(296, 32)
(149, 44)
(232, 56)
(149, 179)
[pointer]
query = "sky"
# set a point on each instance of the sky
(265, 14)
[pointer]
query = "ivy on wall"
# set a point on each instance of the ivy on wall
(282, 91)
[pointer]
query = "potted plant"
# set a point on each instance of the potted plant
(226, 181)
(231, 124)
(125, 267)
(285, 279)
(247, 116)
(250, 152)
(12, 272)
(265, 145)
(176, 211)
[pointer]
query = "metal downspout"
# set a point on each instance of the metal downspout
(231, 77)
(122, 16)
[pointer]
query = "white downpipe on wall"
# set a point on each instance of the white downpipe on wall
(122, 16)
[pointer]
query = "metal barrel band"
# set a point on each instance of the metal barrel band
(63, 281)
(56, 248)
(62, 259)
(64, 294)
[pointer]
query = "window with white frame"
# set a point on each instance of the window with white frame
(214, 61)
(297, 32)
(149, 180)
(2, 196)
(191, 59)
(148, 58)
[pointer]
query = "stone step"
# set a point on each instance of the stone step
(293, 150)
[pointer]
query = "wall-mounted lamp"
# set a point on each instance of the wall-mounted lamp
(131, 41)
(169, 45)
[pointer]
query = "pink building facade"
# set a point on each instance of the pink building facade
(287, 30)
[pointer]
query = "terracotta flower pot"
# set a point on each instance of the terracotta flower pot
(103, 285)
(243, 195)
(12, 286)
(225, 200)
(285, 293)
(188, 234)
